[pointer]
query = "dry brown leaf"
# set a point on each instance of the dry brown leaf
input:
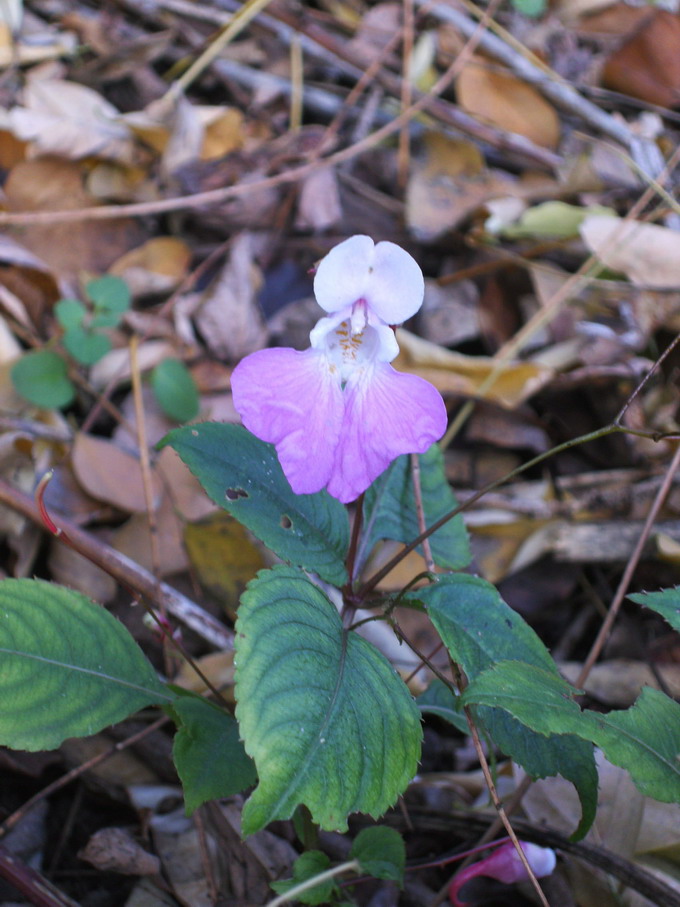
(230, 319)
(133, 539)
(187, 494)
(77, 572)
(111, 474)
(449, 314)
(217, 667)
(647, 254)
(647, 66)
(319, 205)
(492, 94)
(224, 131)
(71, 121)
(54, 184)
(115, 366)
(115, 850)
(456, 373)
(157, 266)
(618, 682)
(375, 31)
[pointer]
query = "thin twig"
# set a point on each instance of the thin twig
(39, 890)
(420, 510)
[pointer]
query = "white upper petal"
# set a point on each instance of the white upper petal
(385, 275)
(342, 276)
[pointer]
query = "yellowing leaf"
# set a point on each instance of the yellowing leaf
(456, 373)
(157, 266)
(223, 556)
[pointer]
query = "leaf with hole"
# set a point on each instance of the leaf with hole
(390, 510)
(326, 718)
(41, 377)
(175, 390)
(67, 667)
(242, 474)
(208, 753)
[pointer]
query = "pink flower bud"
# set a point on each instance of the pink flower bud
(505, 865)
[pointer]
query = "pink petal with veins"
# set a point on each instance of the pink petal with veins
(294, 401)
(387, 413)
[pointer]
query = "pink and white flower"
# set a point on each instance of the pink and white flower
(505, 865)
(338, 413)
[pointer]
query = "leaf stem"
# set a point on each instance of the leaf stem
(292, 893)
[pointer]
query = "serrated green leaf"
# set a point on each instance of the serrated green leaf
(540, 699)
(645, 740)
(308, 865)
(666, 603)
(439, 700)
(69, 313)
(109, 292)
(67, 667)
(324, 715)
(85, 346)
(390, 510)
(41, 377)
(381, 853)
(479, 630)
(242, 474)
(208, 754)
(175, 390)
(477, 626)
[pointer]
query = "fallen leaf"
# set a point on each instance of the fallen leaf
(115, 850)
(647, 254)
(490, 93)
(155, 267)
(223, 556)
(229, 318)
(456, 373)
(71, 121)
(109, 473)
(647, 65)
(319, 205)
(217, 667)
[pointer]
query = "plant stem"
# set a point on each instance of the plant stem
(292, 893)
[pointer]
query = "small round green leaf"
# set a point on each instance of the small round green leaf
(86, 347)
(69, 313)
(381, 853)
(310, 864)
(67, 667)
(109, 293)
(175, 390)
(326, 718)
(41, 378)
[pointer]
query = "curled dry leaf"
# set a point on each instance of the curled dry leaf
(229, 319)
(647, 254)
(319, 205)
(115, 850)
(111, 474)
(456, 373)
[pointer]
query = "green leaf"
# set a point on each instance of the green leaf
(390, 510)
(208, 754)
(67, 667)
(477, 626)
(381, 853)
(645, 740)
(310, 864)
(109, 292)
(324, 715)
(175, 390)
(666, 603)
(532, 8)
(242, 474)
(85, 346)
(41, 377)
(104, 319)
(479, 629)
(69, 313)
(439, 700)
